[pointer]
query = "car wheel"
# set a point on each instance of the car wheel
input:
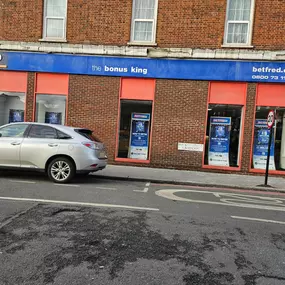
(61, 170)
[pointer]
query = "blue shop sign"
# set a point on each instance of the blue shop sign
(216, 70)
(3, 60)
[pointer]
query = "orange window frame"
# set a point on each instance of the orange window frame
(263, 101)
(43, 86)
(226, 93)
(138, 89)
(14, 81)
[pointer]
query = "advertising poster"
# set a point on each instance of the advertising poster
(260, 146)
(16, 116)
(53, 118)
(219, 141)
(139, 138)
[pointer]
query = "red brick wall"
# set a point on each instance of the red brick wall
(248, 127)
(99, 21)
(30, 97)
(179, 116)
(195, 23)
(93, 103)
(268, 29)
(21, 20)
(180, 109)
(192, 23)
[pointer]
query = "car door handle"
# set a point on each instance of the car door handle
(15, 143)
(52, 144)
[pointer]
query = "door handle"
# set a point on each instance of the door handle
(15, 143)
(52, 144)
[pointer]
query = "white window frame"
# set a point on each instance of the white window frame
(154, 26)
(45, 18)
(249, 28)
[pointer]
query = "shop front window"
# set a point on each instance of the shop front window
(50, 109)
(261, 139)
(134, 129)
(222, 146)
(12, 107)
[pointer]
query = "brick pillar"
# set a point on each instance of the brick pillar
(93, 103)
(30, 96)
(248, 127)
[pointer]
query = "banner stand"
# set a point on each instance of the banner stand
(139, 136)
(219, 141)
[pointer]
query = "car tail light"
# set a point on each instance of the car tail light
(92, 145)
(93, 165)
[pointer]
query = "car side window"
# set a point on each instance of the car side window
(13, 131)
(42, 132)
(63, 136)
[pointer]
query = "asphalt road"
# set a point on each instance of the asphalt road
(118, 232)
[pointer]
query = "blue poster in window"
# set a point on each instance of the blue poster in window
(139, 138)
(260, 146)
(16, 116)
(53, 118)
(219, 141)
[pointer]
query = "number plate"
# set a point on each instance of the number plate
(102, 154)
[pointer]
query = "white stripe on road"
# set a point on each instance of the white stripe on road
(106, 188)
(142, 191)
(66, 185)
(276, 204)
(145, 190)
(258, 220)
(23, 181)
(77, 203)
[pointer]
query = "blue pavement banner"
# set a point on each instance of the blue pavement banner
(139, 136)
(226, 70)
(219, 141)
(260, 146)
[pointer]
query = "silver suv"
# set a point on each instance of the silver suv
(60, 151)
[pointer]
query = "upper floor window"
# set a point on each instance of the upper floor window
(55, 19)
(239, 20)
(144, 21)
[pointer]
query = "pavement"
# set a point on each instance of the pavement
(193, 178)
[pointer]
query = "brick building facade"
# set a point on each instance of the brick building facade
(188, 64)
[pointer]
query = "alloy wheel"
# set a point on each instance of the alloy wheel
(60, 170)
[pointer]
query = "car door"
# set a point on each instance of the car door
(38, 146)
(11, 138)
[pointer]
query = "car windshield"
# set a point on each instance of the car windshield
(87, 134)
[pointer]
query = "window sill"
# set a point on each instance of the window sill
(132, 160)
(236, 46)
(149, 44)
(228, 168)
(53, 40)
(262, 171)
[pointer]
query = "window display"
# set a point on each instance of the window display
(134, 132)
(12, 107)
(50, 109)
(222, 147)
(261, 138)
(16, 116)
